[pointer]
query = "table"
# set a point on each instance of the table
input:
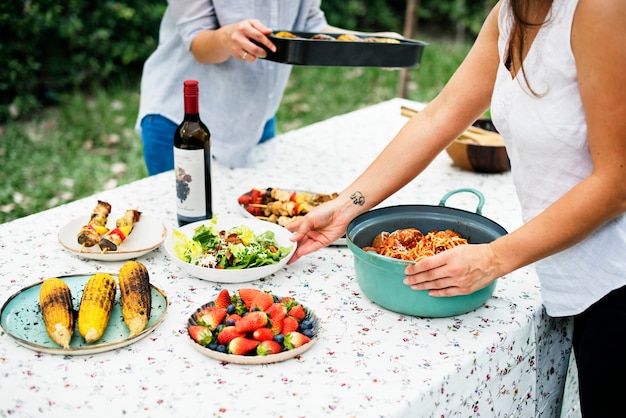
(507, 358)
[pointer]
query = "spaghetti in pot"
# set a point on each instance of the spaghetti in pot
(411, 244)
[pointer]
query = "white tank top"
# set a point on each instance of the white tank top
(546, 139)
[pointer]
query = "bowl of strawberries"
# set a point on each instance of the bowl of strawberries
(252, 326)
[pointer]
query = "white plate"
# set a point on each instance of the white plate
(21, 319)
(253, 359)
(281, 234)
(340, 242)
(147, 235)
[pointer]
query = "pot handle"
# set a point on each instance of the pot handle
(481, 198)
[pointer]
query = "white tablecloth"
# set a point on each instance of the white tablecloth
(504, 359)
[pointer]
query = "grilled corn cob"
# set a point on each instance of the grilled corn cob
(55, 301)
(96, 305)
(136, 296)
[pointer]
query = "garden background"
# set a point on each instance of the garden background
(69, 85)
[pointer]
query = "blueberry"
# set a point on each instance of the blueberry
(230, 309)
(212, 346)
(306, 324)
(221, 348)
(279, 338)
(230, 322)
(308, 332)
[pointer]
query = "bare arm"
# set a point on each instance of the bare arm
(594, 201)
(217, 45)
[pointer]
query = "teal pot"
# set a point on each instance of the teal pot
(381, 278)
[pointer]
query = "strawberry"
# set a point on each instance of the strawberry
(298, 312)
(277, 312)
(248, 295)
(268, 347)
(234, 318)
(223, 299)
(227, 334)
(252, 321)
(288, 301)
(241, 346)
(295, 339)
(200, 334)
(211, 317)
(277, 326)
(262, 301)
(289, 324)
(262, 334)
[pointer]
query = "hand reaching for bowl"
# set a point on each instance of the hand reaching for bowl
(319, 228)
(457, 271)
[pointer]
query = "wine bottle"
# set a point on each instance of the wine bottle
(192, 161)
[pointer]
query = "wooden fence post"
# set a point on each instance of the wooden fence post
(408, 32)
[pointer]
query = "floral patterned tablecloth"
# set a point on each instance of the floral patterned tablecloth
(505, 359)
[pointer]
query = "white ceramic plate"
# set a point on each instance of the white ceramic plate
(21, 319)
(147, 235)
(281, 234)
(340, 242)
(253, 359)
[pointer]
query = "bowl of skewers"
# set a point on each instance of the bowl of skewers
(385, 240)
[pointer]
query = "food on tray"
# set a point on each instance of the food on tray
(349, 37)
(323, 37)
(346, 37)
(281, 206)
(96, 305)
(124, 227)
(412, 244)
(252, 322)
(136, 296)
(285, 34)
(57, 309)
(89, 235)
(236, 248)
(382, 40)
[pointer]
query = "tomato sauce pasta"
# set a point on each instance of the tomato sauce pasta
(411, 244)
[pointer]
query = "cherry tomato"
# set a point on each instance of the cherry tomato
(244, 199)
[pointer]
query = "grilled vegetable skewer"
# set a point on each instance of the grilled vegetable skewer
(55, 302)
(90, 234)
(96, 305)
(124, 227)
(136, 296)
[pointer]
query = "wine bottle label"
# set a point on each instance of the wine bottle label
(190, 182)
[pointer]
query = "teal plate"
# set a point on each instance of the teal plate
(21, 319)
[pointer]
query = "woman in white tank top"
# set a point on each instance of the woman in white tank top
(563, 118)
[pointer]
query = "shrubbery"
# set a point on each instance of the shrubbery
(49, 46)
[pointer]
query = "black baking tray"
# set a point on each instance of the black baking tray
(316, 52)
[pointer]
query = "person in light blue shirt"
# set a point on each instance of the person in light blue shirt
(215, 42)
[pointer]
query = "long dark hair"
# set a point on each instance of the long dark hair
(523, 20)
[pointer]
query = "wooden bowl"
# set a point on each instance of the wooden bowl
(480, 149)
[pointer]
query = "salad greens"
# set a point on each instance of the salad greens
(235, 248)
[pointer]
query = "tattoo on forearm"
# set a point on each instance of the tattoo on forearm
(358, 198)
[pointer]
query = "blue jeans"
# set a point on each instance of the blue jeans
(157, 135)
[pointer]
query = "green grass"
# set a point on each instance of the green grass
(87, 143)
